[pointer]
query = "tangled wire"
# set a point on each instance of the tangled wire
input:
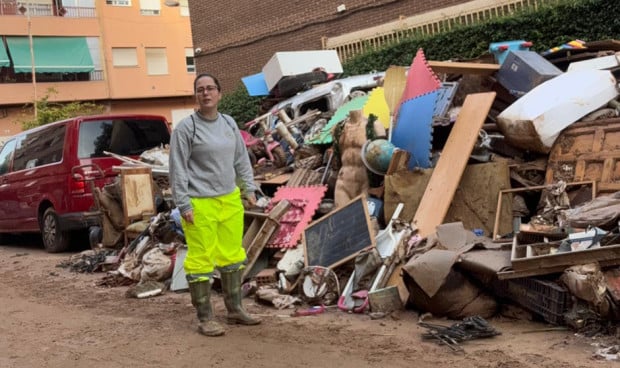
(470, 328)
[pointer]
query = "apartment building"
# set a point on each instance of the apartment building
(131, 56)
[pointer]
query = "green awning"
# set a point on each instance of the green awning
(51, 54)
(4, 57)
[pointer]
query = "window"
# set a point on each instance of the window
(95, 53)
(41, 147)
(78, 8)
(156, 61)
(189, 60)
(6, 154)
(124, 137)
(118, 2)
(149, 7)
(124, 56)
(184, 8)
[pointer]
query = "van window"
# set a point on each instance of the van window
(124, 137)
(41, 147)
(5, 156)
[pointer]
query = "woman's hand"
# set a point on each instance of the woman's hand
(188, 216)
(250, 199)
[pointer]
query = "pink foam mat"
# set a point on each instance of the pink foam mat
(304, 202)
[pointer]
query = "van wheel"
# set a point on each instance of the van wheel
(54, 240)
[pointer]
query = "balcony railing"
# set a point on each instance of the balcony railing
(437, 21)
(7, 77)
(12, 7)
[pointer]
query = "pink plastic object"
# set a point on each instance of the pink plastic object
(309, 312)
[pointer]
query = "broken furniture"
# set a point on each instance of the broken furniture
(535, 120)
(502, 193)
(587, 151)
(137, 195)
(543, 258)
(259, 232)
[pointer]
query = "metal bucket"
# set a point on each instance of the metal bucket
(385, 300)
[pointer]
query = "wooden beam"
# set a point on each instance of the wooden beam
(456, 67)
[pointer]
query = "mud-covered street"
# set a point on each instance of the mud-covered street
(51, 317)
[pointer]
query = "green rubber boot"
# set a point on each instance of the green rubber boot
(201, 300)
(231, 286)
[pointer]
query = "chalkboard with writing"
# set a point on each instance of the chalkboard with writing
(339, 236)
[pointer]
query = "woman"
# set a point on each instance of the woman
(210, 172)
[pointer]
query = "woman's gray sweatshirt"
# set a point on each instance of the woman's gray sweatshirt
(207, 159)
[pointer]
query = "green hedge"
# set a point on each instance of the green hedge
(546, 27)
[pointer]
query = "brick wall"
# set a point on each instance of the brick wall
(237, 38)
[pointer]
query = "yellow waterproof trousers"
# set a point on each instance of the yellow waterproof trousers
(214, 239)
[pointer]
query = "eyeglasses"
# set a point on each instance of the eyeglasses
(201, 90)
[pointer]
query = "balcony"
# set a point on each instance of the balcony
(52, 9)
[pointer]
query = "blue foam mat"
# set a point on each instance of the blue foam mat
(414, 131)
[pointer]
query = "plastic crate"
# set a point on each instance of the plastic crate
(542, 297)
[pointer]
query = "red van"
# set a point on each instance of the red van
(43, 171)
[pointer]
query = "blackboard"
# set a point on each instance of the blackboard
(339, 236)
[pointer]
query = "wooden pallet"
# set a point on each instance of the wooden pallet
(260, 231)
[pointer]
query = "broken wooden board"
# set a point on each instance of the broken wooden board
(455, 67)
(260, 230)
(538, 259)
(587, 151)
(473, 207)
(394, 85)
(447, 174)
(452, 162)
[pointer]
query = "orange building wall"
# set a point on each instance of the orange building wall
(125, 27)
(123, 90)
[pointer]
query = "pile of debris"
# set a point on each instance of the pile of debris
(450, 187)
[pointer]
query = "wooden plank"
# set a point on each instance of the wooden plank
(393, 85)
(255, 242)
(448, 171)
(515, 274)
(463, 68)
(399, 161)
(565, 259)
(279, 179)
(452, 162)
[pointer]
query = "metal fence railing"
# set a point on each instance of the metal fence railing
(433, 22)
(23, 8)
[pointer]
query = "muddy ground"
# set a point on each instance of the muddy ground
(51, 317)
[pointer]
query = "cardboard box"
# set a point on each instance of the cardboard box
(524, 70)
(283, 64)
